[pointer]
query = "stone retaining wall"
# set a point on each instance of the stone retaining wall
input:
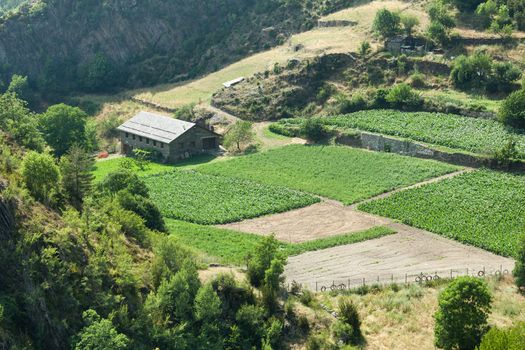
(381, 143)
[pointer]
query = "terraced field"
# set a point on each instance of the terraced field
(341, 173)
(208, 199)
(468, 134)
(484, 208)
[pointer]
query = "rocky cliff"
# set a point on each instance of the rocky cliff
(95, 44)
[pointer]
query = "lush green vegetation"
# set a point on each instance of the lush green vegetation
(342, 173)
(338, 240)
(232, 247)
(475, 135)
(209, 199)
(482, 208)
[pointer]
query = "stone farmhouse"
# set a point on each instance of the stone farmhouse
(171, 139)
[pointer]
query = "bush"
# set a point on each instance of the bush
(519, 269)
(461, 320)
(512, 110)
(402, 96)
(143, 207)
(123, 180)
(417, 80)
(504, 75)
(349, 316)
(239, 135)
(509, 339)
(41, 176)
(472, 71)
(387, 23)
(261, 261)
(313, 130)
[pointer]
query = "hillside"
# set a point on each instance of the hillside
(97, 45)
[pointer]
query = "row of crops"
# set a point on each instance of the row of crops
(209, 199)
(475, 135)
(342, 173)
(483, 208)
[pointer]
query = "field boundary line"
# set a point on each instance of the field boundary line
(417, 185)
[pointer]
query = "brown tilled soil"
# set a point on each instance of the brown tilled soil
(409, 252)
(317, 221)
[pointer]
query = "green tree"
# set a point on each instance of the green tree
(63, 126)
(486, 12)
(141, 158)
(365, 48)
(402, 96)
(265, 252)
(519, 269)
(76, 168)
(250, 319)
(99, 334)
(41, 176)
(208, 312)
(143, 207)
(512, 110)
(409, 22)
(272, 283)
(467, 5)
(20, 123)
(123, 180)
(474, 71)
(239, 135)
(387, 23)
(99, 74)
(461, 320)
(20, 87)
(441, 22)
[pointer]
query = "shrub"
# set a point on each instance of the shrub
(512, 110)
(507, 153)
(509, 339)
(519, 269)
(365, 48)
(409, 23)
(250, 319)
(313, 130)
(403, 97)
(123, 180)
(354, 104)
(417, 80)
(387, 23)
(143, 207)
(306, 297)
(99, 334)
(472, 71)
(461, 320)
(41, 176)
(239, 135)
(503, 77)
(349, 316)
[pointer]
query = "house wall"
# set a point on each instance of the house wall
(129, 143)
(191, 143)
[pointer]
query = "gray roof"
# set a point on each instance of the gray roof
(156, 127)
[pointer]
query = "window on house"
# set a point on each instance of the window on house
(140, 138)
(133, 137)
(147, 141)
(127, 135)
(155, 143)
(193, 144)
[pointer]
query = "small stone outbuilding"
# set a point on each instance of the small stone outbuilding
(171, 139)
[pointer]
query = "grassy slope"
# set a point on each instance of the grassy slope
(314, 42)
(483, 208)
(208, 199)
(104, 167)
(341, 173)
(232, 247)
(403, 319)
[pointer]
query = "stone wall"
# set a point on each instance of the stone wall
(381, 143)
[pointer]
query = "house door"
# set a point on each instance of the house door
(209, 143)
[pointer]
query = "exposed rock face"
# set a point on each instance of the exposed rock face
(155, 40)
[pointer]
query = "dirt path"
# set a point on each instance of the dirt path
(409, 252)
(419, 184)
(269, 140)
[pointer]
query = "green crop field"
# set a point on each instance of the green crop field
(469, 134)
(104, 167)
(208, 199)
(342, 173)
(232, 247)
(483, 208)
